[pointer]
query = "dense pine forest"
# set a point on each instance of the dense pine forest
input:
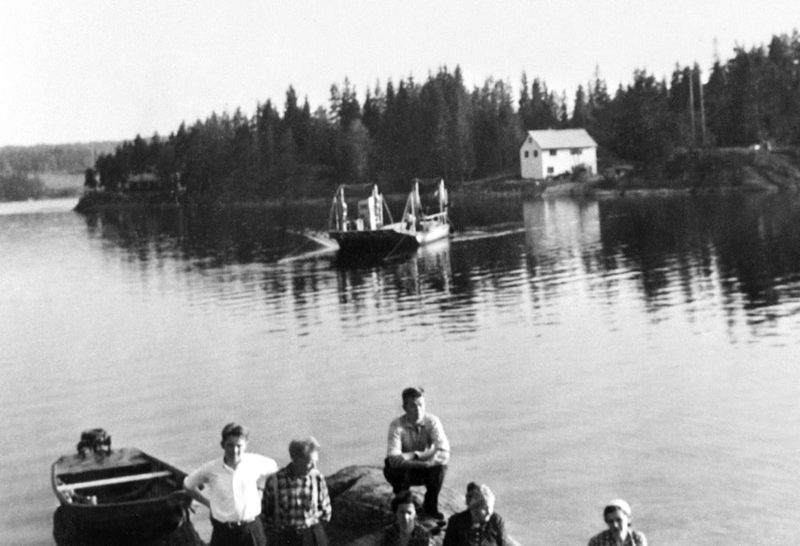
(440, 128)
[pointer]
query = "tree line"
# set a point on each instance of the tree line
(440, 128)
(51, 158)
(21, 167)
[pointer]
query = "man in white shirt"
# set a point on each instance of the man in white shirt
(417, 451)
(232, 487)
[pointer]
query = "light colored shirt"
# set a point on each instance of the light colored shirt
(234, 495)
(407, 437)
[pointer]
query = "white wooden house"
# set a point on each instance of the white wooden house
(553, 152)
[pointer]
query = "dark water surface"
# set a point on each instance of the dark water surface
(575, 351)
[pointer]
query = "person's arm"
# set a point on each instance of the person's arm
(451, 532)
(439, 451)
(432, 456)
(268, 500)
(198, 496)
(500, 525)
(268, 468)
(411, 462)
(394, 448)
(324, 499)
(193, 484)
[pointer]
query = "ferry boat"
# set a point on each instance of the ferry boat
(366, 232)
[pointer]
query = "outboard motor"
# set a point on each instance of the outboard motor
(95, 440)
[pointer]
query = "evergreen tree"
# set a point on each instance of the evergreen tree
(640, 121)
(525, 105)
(717, 101)
(579, 109)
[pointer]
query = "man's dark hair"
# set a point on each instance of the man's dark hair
(235, 429)
(412, 393)
(404, 497)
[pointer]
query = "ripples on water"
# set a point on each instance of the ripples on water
(576, 352)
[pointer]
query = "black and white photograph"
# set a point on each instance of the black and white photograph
(421, 273)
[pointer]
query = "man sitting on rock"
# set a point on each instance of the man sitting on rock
(417, 452)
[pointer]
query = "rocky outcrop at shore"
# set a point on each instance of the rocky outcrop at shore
(360, 497)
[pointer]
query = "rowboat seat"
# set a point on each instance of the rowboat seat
(113, 481)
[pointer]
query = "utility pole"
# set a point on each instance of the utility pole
(702, 107)
(691, 104)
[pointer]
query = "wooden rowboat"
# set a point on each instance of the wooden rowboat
(114, 494)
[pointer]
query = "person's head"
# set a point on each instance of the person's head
(480, 501)
(414, 403)
(234, 442)
(617, 515)
(404, 507)
(304, 454)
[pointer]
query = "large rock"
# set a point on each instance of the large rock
(361, 498)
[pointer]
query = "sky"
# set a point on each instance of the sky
(94, 70)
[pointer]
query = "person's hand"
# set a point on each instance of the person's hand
(441, 457)
(178, 498)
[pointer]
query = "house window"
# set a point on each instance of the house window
(526, 154)
(553, 152)
(530, 139)
(536, 153)
(575, 151)
(549, 170)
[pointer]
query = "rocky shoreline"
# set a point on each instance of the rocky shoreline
(360, 498)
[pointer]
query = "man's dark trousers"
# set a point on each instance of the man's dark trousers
(248, 534)
(431, 477)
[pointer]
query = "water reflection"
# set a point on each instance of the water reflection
(742, 245)
(674, 251)
(739, 252)
(408, 287)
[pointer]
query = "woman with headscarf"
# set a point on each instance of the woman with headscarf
(404, 530)
(478, 525)
(617, 515)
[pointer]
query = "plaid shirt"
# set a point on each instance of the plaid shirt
(303, 501)
(634, 538)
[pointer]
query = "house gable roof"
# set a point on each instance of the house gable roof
(562, 138)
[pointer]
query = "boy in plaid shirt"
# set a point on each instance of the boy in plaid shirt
(296, 501)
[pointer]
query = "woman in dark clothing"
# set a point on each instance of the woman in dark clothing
(479, 525)
(405, 531)
(620, 532)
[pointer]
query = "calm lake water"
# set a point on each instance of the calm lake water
(576, 351)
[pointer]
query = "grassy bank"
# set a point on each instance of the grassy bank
(699, 171)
